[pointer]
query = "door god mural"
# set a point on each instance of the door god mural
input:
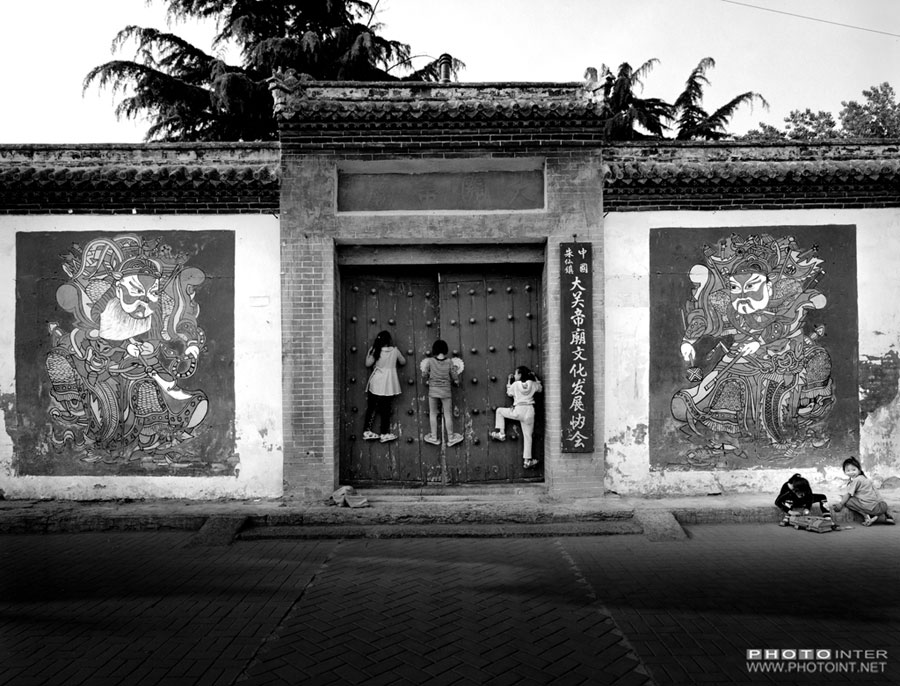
(122, 354)
(756, 352)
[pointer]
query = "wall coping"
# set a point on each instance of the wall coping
(146, 166)
(651, 164)
(677, 163)
(298, 99)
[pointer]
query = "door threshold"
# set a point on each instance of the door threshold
(456, 490)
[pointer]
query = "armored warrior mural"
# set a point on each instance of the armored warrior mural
(771, 381)
(116, 374)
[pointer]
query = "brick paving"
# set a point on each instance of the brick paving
(692, 609)
(151, 608)
(142, 608)
(448, 611)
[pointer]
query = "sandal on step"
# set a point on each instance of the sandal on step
(529, 464)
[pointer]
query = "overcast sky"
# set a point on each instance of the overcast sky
(830, 53)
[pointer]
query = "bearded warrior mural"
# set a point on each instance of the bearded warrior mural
(117, 374)
(772, 382)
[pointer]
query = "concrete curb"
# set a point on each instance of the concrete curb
(218, 530)
(660, 525)
(481, 515)
(486, 530)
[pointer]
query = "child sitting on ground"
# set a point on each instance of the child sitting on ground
(860, 495)
(797, 497)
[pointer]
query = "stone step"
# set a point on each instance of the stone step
(510, 530)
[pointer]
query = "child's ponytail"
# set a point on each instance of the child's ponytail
(382, 340)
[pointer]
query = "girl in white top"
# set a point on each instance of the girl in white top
(383, 385)
(860, 495)
(521, 387)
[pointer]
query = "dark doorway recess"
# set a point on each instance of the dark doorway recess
(490, 316)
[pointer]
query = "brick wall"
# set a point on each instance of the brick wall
(505, 137)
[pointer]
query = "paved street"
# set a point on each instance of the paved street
(155, 608)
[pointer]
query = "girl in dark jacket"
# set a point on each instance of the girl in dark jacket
(796, 494)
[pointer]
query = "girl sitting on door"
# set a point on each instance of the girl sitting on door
(521, 387)
(439, 371)
(382, 386)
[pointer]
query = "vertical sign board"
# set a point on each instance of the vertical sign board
(576, 345)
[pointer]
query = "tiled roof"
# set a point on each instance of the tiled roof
(144, 167)
(125, 176)
(775, 171)
(673, 164)
(321, 101)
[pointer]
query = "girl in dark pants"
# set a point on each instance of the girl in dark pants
(383, 385)
(796, 494)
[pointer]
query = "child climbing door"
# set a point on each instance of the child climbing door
(491, 322)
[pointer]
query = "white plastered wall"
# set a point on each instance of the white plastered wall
(257, 364)
(627, 393)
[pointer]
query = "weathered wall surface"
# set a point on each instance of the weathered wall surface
(631, 466)
(230, 275)
(466, 154)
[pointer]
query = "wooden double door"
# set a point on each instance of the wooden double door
(492, 322)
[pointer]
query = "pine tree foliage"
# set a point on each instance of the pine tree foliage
(626, 116)
(693, 121)
(629, 117)
(189, 95)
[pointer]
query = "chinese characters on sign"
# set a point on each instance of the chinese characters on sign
(576, 344)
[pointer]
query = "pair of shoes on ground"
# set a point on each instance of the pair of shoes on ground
(869, 520)
(384, 438)
(497, 435)
(452, 440)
